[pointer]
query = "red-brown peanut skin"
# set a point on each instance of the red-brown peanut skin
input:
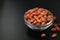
(34, 22)
(57, 28)
(43, 13)
(45, 16)
(35, 17)
(34, 9)
(27, 16)
(54, 35)
(40, 10)
(38, 24)
(53, 29)
(39, 21)
(48, 19)
(43, 35)
(43, 23)
(39, 16)
(43, 19)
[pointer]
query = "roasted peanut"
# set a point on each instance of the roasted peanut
(43, 23)
(55, 25)
(53, 29)
(43, 35)
(38, 24)
(57, 28)
(35, 22)
(54, 35)
(39, 20)
(43, 19)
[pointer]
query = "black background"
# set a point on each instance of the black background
(12, 23)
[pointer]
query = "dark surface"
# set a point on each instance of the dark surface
(12, 23)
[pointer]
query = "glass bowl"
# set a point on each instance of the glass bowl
(43, 27)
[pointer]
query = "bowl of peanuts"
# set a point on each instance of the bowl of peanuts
(38, 18)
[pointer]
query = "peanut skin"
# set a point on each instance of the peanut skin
(53, 29)
(54, 35)
(43, 35)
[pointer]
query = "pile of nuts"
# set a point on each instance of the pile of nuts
(38, 16)
(54, 28)
(41, 16)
